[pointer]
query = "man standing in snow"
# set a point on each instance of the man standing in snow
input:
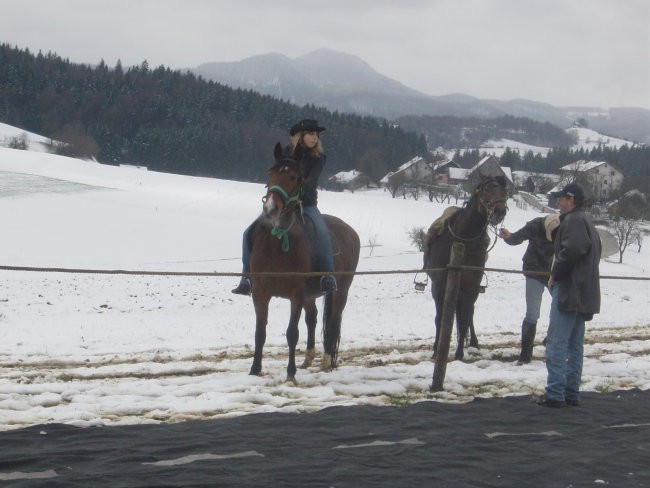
(539, 233)
(575, 292)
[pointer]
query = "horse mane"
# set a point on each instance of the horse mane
(285, 161)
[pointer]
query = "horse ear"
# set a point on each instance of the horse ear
(277, 151)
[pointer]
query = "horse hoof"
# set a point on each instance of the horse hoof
(326, 364)
(255, 373)
(292, 380)
(310, 354)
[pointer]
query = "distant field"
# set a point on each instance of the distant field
(17, 184)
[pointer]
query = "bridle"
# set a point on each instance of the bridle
(289, 202)
(489, 209)
(489, 206)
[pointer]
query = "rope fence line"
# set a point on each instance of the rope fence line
(292, 274)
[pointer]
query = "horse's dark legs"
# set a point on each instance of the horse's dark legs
(461, 330)
(439, 304)
(292, 337)
(261, 318)
(311, 317)
(464, 321)
(473, 340)
(333, 315)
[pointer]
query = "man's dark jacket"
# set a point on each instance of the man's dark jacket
(575, 267)
(539, 253)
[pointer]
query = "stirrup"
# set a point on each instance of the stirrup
(328, 284)
(243, 288)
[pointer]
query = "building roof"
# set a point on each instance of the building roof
(582, 165)
(345, 176)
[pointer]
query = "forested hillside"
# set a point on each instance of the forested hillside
(178, 122)
(450, 132)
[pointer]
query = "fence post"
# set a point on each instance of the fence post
(448, 313)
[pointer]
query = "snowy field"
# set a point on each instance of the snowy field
(90, 349)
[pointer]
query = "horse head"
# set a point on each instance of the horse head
(492, 195)
(285, 178)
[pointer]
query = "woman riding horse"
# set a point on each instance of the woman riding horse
(305, 147)
(281, 264)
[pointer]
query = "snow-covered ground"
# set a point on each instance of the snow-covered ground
(33, 142)
(498, 147)
(115, 349)
(586, 139)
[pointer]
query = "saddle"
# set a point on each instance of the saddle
(439, 225)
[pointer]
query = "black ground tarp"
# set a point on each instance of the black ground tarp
(495, 442)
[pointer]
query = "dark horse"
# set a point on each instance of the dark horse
(468, 225)
(282, 245)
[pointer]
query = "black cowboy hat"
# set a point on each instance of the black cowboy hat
(306, 125)
(571, 190)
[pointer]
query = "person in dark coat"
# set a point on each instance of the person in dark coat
(539, 233)
(305, 147)
(575, 292)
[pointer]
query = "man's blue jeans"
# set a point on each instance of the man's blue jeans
(534, 291)
(564, 350)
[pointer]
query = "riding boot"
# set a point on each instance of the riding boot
(528, 330)
(244, 287)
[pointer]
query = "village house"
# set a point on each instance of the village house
(600, 178)
(348, 180)
(533, 182)
(419, 171)
(469, 178)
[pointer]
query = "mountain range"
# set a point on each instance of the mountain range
(345, 83)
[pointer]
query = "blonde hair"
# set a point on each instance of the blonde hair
(296, 140)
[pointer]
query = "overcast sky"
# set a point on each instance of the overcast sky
(563, 52)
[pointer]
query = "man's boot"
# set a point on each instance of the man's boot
(528, 330)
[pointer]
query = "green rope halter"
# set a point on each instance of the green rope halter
(281, 233)
(277, 231)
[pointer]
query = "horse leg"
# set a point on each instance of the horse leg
(473, 340)
(292, 337)
(439, 303)
(261, 319)
(465, 318)
(461, 329)
(311, 317)
(333, 306)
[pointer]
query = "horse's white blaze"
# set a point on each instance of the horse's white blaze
(269, 206)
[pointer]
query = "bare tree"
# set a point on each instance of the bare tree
(625, 230)
(638, 239)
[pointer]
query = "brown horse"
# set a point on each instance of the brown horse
(282, 245)
(487, 206)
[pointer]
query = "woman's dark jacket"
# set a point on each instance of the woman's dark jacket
(575, 267)
(311, 168)
(539, 253)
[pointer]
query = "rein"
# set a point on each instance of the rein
(282, 233)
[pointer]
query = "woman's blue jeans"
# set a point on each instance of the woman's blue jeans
(323, 242)
(564, 352)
